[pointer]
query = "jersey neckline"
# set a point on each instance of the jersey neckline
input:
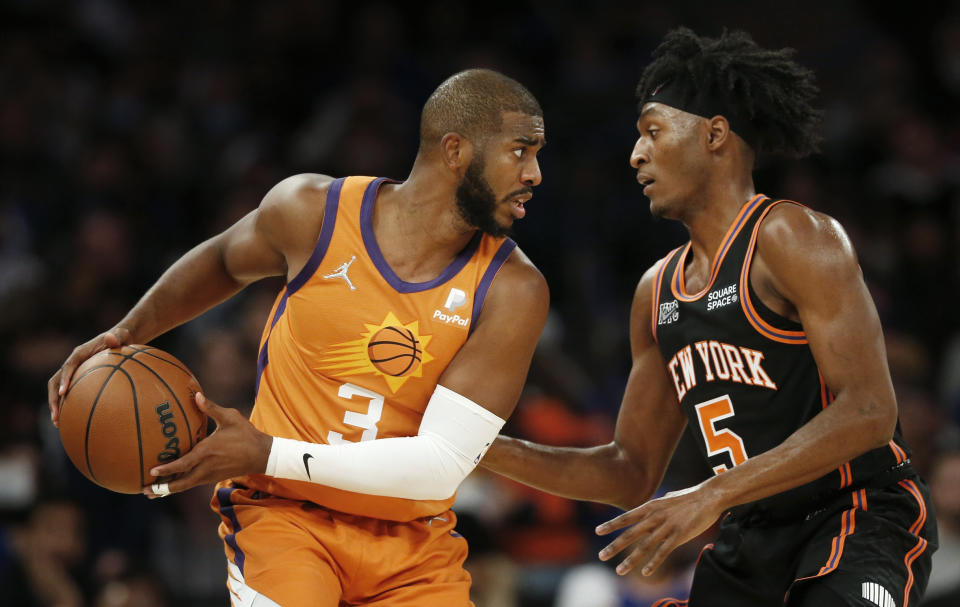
(376, 255)
(678, 282)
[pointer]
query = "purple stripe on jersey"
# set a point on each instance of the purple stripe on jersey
(226, 510)
(373, 249)
(319, 250)
(498, 260)
(262, 359)
(323, 241)
(802, 338)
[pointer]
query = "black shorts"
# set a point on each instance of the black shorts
(870, 547)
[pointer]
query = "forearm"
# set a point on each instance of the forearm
(453, 435)
(195, 283)
(599, 474)
(841, 432)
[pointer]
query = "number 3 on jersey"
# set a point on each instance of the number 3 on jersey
(367, 421)
(718, 441)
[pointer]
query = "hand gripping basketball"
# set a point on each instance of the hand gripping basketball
(57, 385)
(235, 448)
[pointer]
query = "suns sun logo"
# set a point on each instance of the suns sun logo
(393, 350)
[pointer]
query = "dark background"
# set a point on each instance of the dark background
(131, 131)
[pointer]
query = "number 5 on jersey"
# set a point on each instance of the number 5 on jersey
(719, 441)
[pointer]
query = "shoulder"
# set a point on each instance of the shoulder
(793, 231)
(799, 249)
(291, 213)
(295, 192)
(518, 291)
(520, 278)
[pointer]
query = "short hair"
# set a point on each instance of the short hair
(771, 92)
(472, 103)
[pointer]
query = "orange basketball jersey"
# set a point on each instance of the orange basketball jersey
(353, 353)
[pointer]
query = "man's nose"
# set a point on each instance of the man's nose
(531, 174)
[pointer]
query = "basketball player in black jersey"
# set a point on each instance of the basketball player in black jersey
(761, 335)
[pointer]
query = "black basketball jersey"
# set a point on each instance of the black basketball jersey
(744, 375)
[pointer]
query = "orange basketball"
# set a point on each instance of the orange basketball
(127, 410)
(394, 351)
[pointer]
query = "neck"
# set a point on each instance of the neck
(417, 225)
(716, 211)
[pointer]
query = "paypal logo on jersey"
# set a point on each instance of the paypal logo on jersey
(455, 299)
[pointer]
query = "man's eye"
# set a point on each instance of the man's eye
(518, 152)
(653, 132)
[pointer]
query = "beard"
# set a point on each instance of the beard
(477, 203)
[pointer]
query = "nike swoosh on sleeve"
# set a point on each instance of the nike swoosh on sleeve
(306, 458)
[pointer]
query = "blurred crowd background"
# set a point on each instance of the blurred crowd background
(131, 131)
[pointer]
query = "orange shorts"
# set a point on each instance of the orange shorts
(298, 553)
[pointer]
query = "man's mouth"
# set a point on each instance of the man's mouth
(518, 205)
(644, 181)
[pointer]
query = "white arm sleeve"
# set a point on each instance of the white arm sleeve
(454, 434)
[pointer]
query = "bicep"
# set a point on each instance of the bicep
(491, 367)
(246, 251)
(278, 236)
(819, 274)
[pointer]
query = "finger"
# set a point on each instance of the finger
(53, 398)
(624, 520)
(111, 339)
(196, 476)
(622, 541)
(627, 564)
(211, 408)
(178, 466)
(79, 354)
(660, 554)
(157, 490)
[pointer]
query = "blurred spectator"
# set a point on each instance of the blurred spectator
(40, 558)
(945, 490)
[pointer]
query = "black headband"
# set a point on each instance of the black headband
(685, 96)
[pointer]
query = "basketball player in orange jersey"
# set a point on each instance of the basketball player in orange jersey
(761, 335)
(388, 364)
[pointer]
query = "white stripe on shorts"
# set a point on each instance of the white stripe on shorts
(242, 595)
(877, 594)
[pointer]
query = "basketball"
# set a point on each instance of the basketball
(127, 410)
(394, 351)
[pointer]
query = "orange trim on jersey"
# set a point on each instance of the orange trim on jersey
(668, 602)
(826, 397)
(704, 549)
(678, 281)
(655, 313)
(847, 527)
(763, 327)
(899, 453)
(917, 550)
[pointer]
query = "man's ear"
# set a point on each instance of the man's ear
(718, 132)
(456, 152)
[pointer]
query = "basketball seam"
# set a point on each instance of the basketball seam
(86, 434)
(170, 390)
(160, 358)
(75, 381)
(136, 415)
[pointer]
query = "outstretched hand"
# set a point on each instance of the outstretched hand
(57, 385)
(235, 448)
(658, 527)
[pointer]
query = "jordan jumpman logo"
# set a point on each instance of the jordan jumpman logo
(341, 272)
